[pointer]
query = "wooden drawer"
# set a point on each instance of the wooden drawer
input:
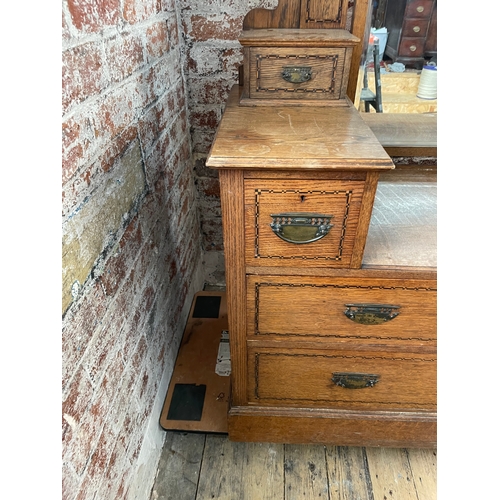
(350, 379)
(321, 309)
(411, 47)
(310, 223)
(419, 8)
(415, 28)
(298, 73)
(298, 66)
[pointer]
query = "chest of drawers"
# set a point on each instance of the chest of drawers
(332, 316)
(411, 25)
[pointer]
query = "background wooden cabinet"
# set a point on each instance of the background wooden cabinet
(412, 30)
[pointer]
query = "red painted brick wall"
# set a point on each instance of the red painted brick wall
(211, 28)
(132, 249)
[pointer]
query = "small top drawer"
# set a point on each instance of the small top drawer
(419, 8)
(306, 223)
(296, 66)
(298, 73)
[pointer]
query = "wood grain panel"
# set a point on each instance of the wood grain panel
(324, 14)
(285, 15)
(364, 218)
(341, 199)
(318, 305)
(406, 380)
(231, 183)
(337, 427)
(291, 138)
(360, 28)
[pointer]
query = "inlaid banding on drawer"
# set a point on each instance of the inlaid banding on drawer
(323, 72)
(402, 380)
(340, 200)
(321, 308)
(284, 61)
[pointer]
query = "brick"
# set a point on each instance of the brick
(66, 35)
(117, 148)
(155, 163)
(157, 40)
(212, 234)
(232, 59)
(202, 139)
(201, 169)
(209, 187)
(210, 90)
(138, 420)
(74, 405)
(70, 482)
(203, 117)
(204, 60)
(118, 470)
(70, 161)
(115, 112)
(135, 11)
(173, 30)
(78, 141)
(124, 55)
(98, 463)
(79, 326)
(214, 27)
(154, 121)
(104, 347)
(93, 15)
(82, 74)
(122, 258)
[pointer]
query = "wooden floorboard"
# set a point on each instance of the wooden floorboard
(305, 472)
(198, 466)
(348, 474)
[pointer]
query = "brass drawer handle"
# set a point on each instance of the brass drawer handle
(296, 74)
(413, 48)
(354, 380)
(371, 314)
(420, 9)
(301, 228)
(416, 29)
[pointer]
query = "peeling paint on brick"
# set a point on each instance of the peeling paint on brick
(95, 225)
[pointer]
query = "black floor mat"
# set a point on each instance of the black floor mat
(187, 402)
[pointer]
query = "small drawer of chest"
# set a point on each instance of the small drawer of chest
(307, 223)
(296, 66)
(298, 73)
(320, 309)
(415, 28)
(344, 379)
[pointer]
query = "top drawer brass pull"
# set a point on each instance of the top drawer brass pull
(300, 228)
(296, 74)
(420, 8)
(371, 314)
